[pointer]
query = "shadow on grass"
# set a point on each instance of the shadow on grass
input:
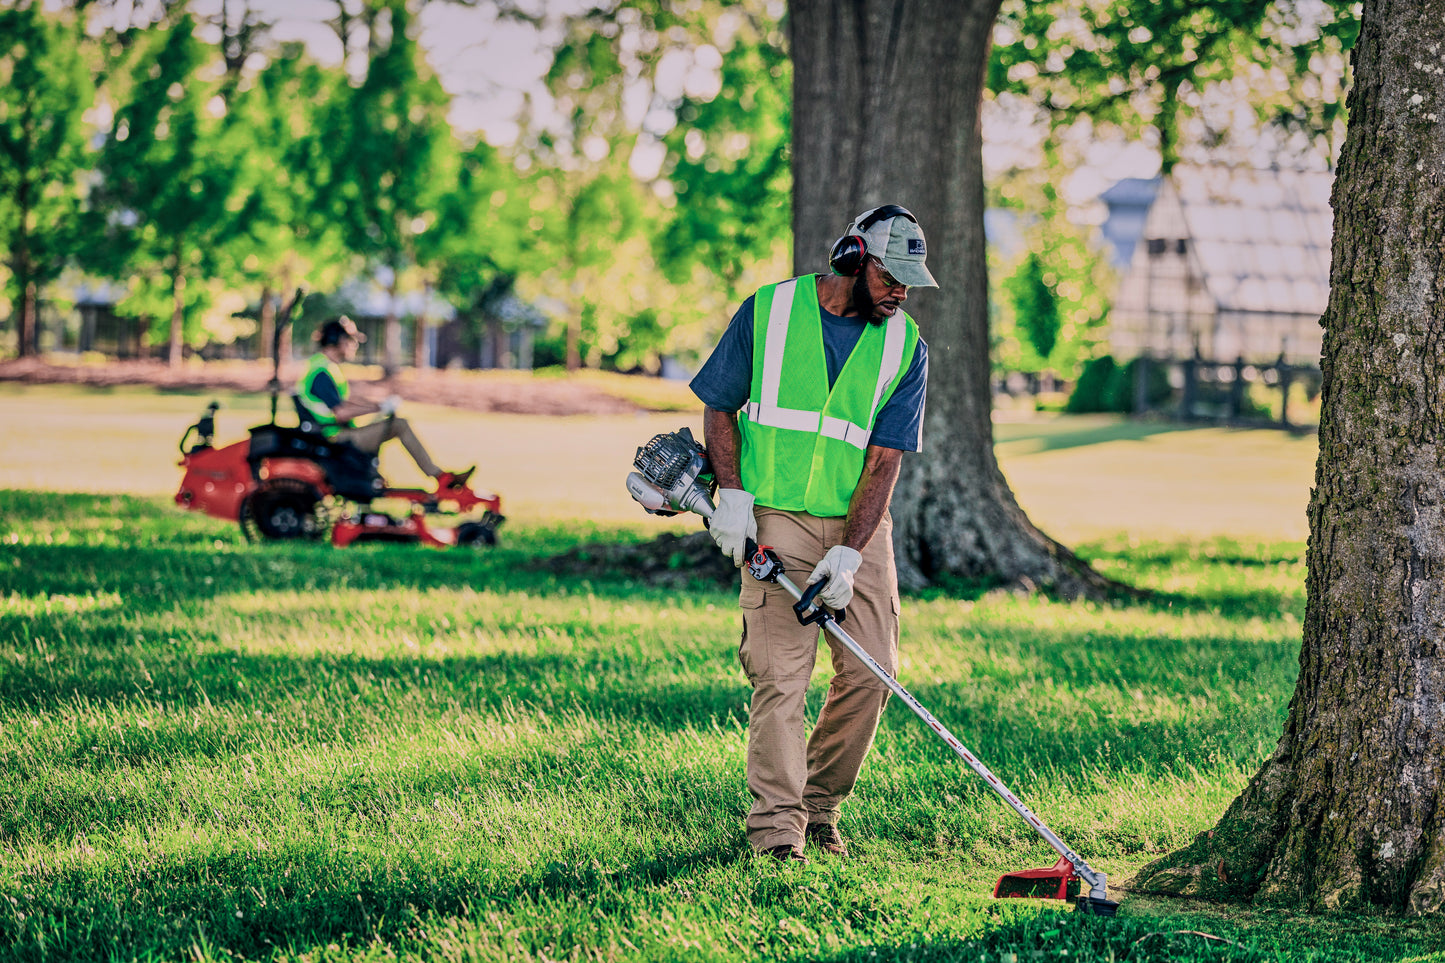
(1072, 435)
(256, 902)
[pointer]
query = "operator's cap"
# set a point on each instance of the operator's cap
(337, 328)
(897, 242)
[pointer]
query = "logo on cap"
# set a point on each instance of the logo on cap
(915, 246)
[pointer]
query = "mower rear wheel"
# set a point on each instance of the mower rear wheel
(283, 509)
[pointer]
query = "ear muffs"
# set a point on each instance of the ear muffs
(850, 250)
(848, 254)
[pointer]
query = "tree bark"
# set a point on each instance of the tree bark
(391, 332)
(418, 346)
(1347, 814)
(268, 322)
(29, 331)
(178, 318)
(886, 97)
(27, 341)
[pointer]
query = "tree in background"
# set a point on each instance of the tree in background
(169, 172)
(286, 237)
(673, 129)
(886, 97)
(393, 148)
(728, 161)
(1053, 308)
(482, 241)
(1345, 814)
(1181, 67)
(45, 89)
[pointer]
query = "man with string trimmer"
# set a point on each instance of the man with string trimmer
(812, 396)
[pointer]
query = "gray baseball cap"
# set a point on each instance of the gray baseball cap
(897, 242)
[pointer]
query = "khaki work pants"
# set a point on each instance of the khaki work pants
(796, 781)
(369, 438)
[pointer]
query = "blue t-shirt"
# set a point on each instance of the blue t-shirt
(323, 386)
(725, 381)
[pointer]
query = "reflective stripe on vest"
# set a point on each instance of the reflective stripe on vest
(795, 471)
(325, 419)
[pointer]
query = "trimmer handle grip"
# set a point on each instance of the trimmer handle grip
(808, 600)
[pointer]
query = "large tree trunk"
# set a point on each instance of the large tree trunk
(886, 97)
(1347, 813)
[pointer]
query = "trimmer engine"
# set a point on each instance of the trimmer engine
(673, 475)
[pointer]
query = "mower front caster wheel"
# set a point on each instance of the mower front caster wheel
(481, 534)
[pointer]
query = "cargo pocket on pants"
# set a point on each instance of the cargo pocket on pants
(752, 648)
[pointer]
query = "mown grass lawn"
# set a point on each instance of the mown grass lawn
(215, 751)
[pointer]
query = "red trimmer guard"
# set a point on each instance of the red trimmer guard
(1054, 882)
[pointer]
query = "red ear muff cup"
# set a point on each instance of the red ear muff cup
(847, 256)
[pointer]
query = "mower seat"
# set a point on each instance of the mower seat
(351, 472)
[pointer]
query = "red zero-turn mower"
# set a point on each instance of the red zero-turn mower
(295, 483)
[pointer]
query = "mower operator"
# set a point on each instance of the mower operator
(811, 398)
(326, 395)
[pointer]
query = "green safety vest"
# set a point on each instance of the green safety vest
(320, 411)
(803, 445)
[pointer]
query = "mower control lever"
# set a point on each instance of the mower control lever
(807, 602)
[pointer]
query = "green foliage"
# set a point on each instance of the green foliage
(1124, 386)
(1053, 304)
(729, 167)
(168, 200)
(287, 233)
(1090, 392)
(1035, 304)
(45, 89)
(1151, 64)
(676, 248)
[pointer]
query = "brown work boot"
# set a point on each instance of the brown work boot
(786, 853)
(827, 838)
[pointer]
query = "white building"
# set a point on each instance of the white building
(1232, 263)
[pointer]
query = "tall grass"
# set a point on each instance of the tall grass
(215, 751)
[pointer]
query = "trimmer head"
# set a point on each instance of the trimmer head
(1058, 881)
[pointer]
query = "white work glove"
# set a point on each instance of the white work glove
(840, 565)
(389, 405)
(732, 523)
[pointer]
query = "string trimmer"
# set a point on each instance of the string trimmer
(673, 475)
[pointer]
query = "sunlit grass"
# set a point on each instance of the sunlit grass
(210, 750)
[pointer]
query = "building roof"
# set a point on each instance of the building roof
(1261, 238)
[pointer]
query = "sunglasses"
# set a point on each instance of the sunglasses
(888, 280)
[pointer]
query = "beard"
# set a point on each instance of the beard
(863, 301)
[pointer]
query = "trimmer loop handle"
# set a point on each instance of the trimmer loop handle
(808, 601)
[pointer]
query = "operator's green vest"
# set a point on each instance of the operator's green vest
(803, 446)
(320, 411)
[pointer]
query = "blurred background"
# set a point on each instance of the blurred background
(547, 184)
